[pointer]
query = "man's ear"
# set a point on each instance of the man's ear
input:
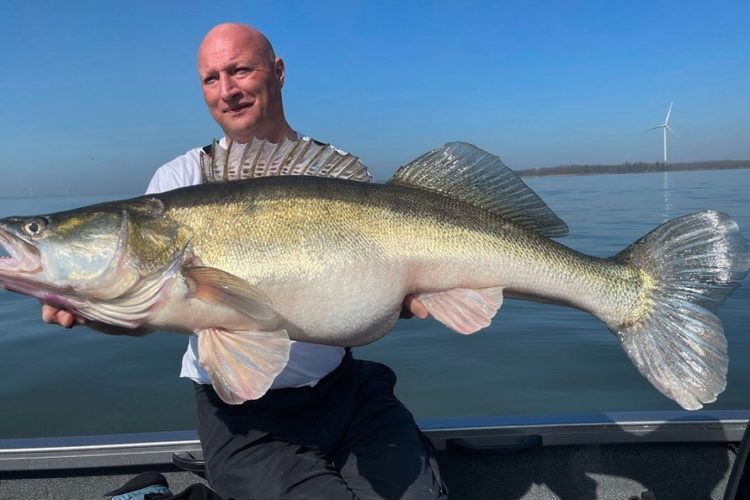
(278, 69)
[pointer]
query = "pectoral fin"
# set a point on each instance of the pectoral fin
(462, 309)
(242, 364)
(219, 287)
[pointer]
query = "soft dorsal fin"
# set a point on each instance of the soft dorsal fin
(463, 171)
(261, 158)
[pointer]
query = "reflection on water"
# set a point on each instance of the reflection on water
(667, 207)
(533, 359)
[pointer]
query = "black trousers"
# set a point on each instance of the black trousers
(347, 437)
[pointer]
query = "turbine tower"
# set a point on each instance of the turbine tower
(665, 126)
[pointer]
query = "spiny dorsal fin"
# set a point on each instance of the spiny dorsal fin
(261, 158)
(463, 171)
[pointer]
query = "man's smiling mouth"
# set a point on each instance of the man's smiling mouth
(238, 108)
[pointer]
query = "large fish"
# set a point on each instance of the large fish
(248, 265)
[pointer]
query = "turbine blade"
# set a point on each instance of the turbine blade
(654, 128)
(675, 133)
(668, 113)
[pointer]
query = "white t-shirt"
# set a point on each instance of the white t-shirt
(308, 363)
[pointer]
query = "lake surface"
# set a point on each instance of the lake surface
(533, 359)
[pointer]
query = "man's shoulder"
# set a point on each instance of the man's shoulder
(179, 172)
(186, 160)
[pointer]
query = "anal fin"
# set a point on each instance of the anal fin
(242, 364)
(462, 309)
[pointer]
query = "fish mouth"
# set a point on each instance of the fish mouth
(17, 256)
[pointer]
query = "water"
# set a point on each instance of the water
(534, 358)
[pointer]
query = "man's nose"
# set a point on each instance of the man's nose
(229, 89)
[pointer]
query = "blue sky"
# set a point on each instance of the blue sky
(96, 95)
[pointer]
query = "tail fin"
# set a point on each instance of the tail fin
(677, 342)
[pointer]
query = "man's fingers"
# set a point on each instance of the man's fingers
(49, 313)
(66, 319)
(52, 314)
(416, 307)
(419, 310)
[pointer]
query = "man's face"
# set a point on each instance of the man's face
(241, 82)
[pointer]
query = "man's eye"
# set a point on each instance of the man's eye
(209, 80)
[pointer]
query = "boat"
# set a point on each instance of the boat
(628, 455)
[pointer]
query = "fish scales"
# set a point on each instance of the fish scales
(306, 228)
(249, 265)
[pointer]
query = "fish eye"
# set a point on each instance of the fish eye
(34, 227)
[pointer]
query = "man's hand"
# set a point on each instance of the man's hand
(413, 307)
(52, 314)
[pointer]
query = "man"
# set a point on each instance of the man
(330, 427)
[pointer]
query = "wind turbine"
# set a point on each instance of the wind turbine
(665, 126)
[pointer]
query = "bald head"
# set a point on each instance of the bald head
(235, 33)
(241, 79)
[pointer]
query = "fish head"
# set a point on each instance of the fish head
(95, 253)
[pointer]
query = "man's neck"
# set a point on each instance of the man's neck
(273, 135)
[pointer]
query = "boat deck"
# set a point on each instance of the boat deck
(675, 455)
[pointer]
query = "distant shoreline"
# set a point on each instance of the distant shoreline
(633, 168)
(621, 168)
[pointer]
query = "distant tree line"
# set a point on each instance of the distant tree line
(629, 168)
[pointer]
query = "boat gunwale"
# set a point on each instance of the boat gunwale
(118, 450)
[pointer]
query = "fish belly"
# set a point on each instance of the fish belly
(346, 308)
